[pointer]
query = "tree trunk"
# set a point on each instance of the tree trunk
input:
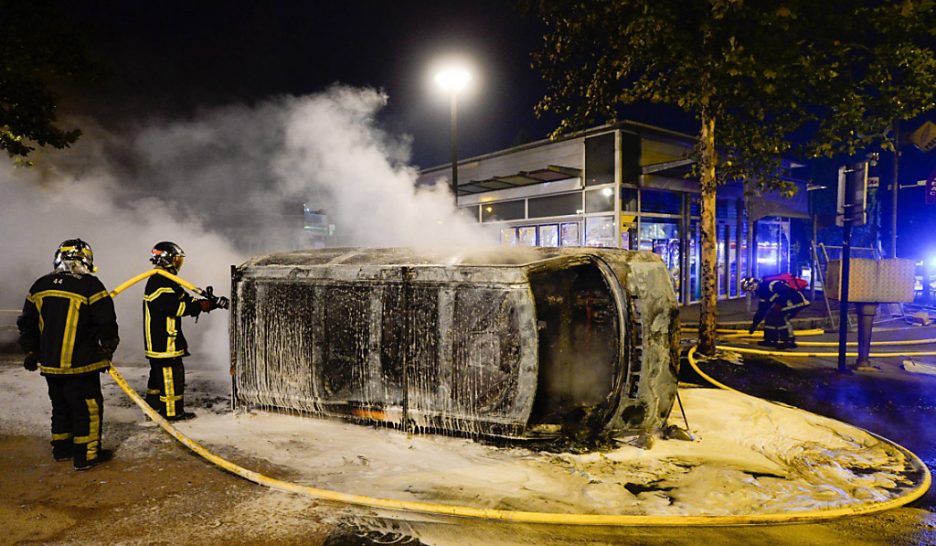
(707, 227)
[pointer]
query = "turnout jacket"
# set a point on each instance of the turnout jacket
(66, 319)
(165, 302)
(779, 293)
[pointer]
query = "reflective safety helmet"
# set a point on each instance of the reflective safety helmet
(749, 284)
(74, 255)
(168, 256)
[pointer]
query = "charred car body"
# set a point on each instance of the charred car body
(505, 343)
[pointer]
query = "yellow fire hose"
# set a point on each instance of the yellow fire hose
(493, 514)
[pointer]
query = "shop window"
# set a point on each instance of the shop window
(509, 210)
(569, 234)
(599, 160)
(599, 200)
(509, 236)
(661, 236)
(470, 212)
(599, 231)
(664, 202)
(555, 205)
(549, 235)
(526, 236)
(628, 199)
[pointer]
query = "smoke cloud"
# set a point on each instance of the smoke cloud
(225, 185)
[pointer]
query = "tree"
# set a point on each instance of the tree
(37, 48)
(763, 81)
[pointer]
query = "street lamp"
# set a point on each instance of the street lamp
(454, 79)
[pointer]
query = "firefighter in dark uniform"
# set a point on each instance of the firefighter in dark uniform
(779, 303)
(68, 331)
(165, 302)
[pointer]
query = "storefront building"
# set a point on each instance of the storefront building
(625, 185)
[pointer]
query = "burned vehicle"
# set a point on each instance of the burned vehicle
(505, 343)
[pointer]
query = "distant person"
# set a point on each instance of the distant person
(781, 299)
(68, 331)
(165, 302)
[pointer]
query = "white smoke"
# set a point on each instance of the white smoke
(225, 186)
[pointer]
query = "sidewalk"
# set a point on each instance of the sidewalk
(734, 314)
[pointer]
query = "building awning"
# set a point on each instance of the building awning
(773, 204)
(551, 173)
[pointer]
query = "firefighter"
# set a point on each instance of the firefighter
(781, 299)
(68, 331)
(165, 302)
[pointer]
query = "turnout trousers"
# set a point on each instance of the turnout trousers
(166, 386)
(77, 416)
(777, 325)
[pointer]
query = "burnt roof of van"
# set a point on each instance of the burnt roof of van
(409, 256)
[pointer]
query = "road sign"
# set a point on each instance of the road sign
(853, 193)
(931, 189)
(924, 137)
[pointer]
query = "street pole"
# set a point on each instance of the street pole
(843, 288)
(455, 147)
(894, 189)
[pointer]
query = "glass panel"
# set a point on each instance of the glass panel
(509, 236)
(695, 264)
(628, 199)
(526, 236)
(510, 210)
(470, 212)
(549, 235)
(773, 246)
(666, 202)
(722, 257)
(599, 231)
(599, 160)
(662, 237)
(599, 200)
(569, 234)
(555, 205)
(628, 232)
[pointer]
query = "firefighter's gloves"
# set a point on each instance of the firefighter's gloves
(108, 346)
(213, 302)
(31, 362)
(750, 331)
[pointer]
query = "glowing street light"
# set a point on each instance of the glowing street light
(453, 80)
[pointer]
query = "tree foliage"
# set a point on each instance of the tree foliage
(780, 77)
(37, 49)
(764, 79)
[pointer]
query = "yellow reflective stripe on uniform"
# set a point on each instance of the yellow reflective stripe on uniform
(94, 430)
(156, 354)
(61, 436)
(51, 370)
(38, 305)
(146, 328)
(157, 293)
(99, 296)
(59, 294)
(170, 398)
(71, 329)
(181, 310)
(170, 335)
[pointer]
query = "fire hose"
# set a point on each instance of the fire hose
(494, 514)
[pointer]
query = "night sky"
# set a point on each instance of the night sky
(173, 58)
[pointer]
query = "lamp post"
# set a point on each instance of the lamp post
(453, 80)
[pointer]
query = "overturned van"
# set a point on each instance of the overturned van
(507, 343)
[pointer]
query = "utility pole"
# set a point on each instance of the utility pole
(894, 189)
